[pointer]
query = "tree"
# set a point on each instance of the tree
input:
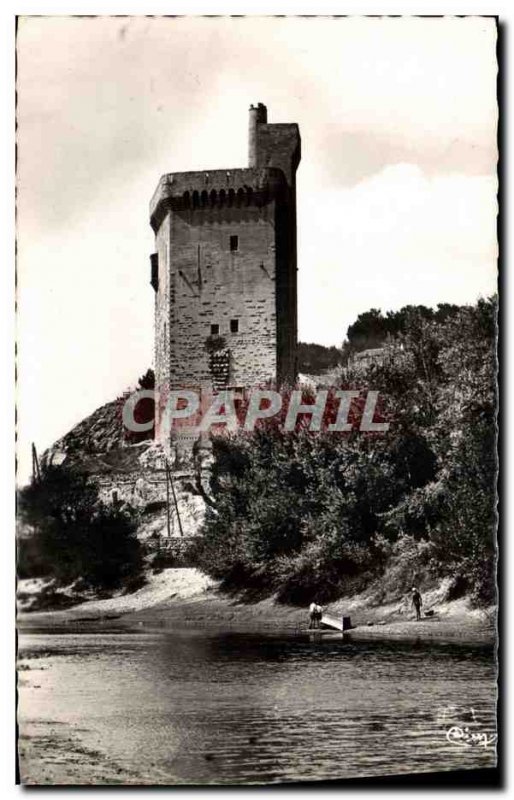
(74, 534)
(144, 411)
(315, 359)
(372, 329)
(147, 381)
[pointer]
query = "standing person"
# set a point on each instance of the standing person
(315, 614)
(417, 602)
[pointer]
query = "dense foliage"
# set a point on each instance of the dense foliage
(73, 534)
(313, 359)
(308, 514)
(373, 329)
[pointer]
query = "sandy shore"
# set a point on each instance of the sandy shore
(51, 755)
(178, 598)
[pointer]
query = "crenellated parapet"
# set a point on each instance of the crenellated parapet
(209, 188)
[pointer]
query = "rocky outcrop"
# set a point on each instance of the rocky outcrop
(135, 473)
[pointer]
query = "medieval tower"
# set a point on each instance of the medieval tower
(224, 267)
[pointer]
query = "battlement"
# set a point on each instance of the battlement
(215, 188)
(274, 155)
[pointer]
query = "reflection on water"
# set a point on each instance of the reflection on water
(194, 707)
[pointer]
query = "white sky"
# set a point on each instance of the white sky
(396, 189)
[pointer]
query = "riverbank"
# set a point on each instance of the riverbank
(184, 598)
(150, 661)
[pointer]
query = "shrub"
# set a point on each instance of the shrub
(74, 534)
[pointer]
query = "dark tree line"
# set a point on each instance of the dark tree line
(313, 359)
(373, 329)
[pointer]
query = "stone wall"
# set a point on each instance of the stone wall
(144, 489)
(163, 318)
(212, 285)
(278, 145)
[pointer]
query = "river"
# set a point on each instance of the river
(199, 707)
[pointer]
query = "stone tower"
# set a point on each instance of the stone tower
(224, 267)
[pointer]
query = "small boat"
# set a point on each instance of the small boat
(336, 623)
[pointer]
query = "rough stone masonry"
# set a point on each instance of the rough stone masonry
(224, 269)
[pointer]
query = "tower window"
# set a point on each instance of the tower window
(234, 326)
(215, 329)
(234, 243)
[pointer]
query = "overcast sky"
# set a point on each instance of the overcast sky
(396, 188)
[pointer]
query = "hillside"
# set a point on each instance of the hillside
(100, 432)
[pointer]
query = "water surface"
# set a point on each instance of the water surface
(199, 707)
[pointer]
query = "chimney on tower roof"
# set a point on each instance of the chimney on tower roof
(258, 115)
